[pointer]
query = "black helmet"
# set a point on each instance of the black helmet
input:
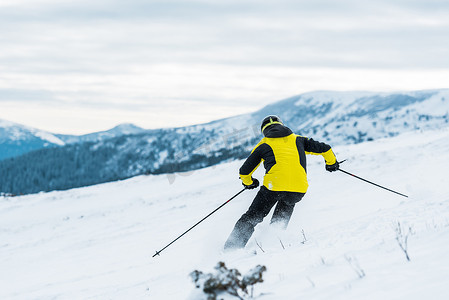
(270, 120)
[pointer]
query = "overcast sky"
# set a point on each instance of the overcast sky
(83, 66)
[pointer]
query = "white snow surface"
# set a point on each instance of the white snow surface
(21, 132)
(48, 137)
(97, 242)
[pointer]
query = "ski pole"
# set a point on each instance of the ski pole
(372, 183)
(158, 252)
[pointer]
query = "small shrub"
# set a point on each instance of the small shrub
(354, 263)
(229, 281)
(402, 238)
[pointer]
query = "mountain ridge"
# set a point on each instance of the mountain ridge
(17, 139)
(332, 117)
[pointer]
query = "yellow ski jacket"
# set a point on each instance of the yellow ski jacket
(283, 154)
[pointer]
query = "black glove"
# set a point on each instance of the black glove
(253, 185)
(333, 168)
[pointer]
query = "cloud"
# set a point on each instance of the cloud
(17, 95)
(153, 55)
(298, 33)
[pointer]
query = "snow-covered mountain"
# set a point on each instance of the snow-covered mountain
(16, 139)
(119, 130)
(352, 117)
(97, 242)
(333, 117)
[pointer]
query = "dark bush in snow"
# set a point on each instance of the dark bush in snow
(226, 280)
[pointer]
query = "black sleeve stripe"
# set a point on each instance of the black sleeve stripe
(302, 155)
(263, 151)
(315, 147)
(267, 154)
(251, 162)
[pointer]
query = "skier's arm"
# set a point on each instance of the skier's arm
(318, 148)
(250, 165)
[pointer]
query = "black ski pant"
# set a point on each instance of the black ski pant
(258, 210)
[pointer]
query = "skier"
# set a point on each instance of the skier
(285, 182)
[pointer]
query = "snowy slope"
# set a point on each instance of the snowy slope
(97, 242)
